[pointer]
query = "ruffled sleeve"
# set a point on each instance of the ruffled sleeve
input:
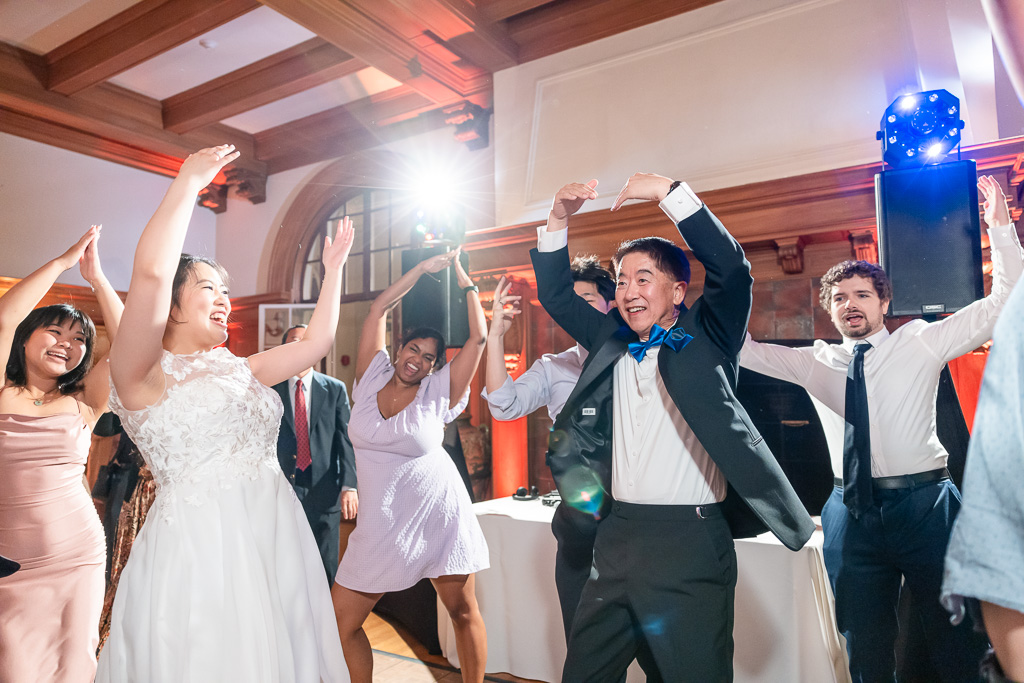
(370, 383)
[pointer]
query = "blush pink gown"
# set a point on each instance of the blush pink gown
(50, 608)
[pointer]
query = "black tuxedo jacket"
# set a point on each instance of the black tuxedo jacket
(700, 378)
(334, 461)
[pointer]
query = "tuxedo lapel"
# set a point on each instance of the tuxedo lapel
(606, 356)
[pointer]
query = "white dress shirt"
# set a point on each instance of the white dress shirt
(549, 381)
(307, 384)
(656, 458)
(901, 372)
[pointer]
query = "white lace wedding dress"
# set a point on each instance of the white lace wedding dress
(224, 581)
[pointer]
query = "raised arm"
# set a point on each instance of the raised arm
(287, 360)
(552, 267)
(501, 321)
(373, 336)
(20, 299)
(97, 382)
(728, 284)
(135, 353)
(467, 359)
(972, 326)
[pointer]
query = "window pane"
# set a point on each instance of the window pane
(380, 277)
(312, 276)
(354, 275)
(380, 229)
(396, 264)
(381, 198)
(403, 222)
(354, 205)
(358, 243)
(318, 242)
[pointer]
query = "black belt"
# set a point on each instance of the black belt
(903, 481)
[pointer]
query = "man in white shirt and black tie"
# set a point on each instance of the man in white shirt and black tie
(889, 517)
(316, 454)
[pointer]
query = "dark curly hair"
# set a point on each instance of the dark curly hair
(58, 314)
(846, 270)
(588, 268)
(428, 333)
(668, 256)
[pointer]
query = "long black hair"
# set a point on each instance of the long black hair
(58, 314)
(428, 333)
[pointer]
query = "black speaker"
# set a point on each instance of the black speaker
(929, 237)
(436, 300)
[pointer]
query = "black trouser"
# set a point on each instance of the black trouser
(663, 576)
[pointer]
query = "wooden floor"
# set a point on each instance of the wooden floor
(400, 658)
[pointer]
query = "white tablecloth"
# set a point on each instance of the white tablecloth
(785, 628)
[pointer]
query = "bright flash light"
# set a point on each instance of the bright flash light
(935, 149)
(435, 192)
(908, 103)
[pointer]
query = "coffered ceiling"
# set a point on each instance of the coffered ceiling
(290, 82)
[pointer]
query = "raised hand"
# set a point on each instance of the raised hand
(336, 251)
(570, 198)
(461, 276)
(643, 186)
(203, 166)
(75, 252)
(996, 211)
(501, 317)
(89, 263)
(439, 262)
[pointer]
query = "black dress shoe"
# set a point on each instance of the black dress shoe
(8, 567)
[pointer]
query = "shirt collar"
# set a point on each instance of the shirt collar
(307, 382)
(875, 340)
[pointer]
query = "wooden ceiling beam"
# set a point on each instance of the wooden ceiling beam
(288, 72)
(120, 125)
(380, 46)
(133, 36)
(346, 129)
(465, 31)
(559, 26)
(496, 10)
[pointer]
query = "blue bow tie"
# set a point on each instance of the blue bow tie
(675, 340)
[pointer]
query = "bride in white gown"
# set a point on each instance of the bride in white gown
(224, 581)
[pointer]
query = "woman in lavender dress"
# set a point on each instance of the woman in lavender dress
(415, 519)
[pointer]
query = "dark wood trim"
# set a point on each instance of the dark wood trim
(496, 10)
(465, 31)
(133, 36)
(288, 72)
(359, 33)
(558, 26)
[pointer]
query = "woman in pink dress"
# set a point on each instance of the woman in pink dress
(415, 518)
(52, 395)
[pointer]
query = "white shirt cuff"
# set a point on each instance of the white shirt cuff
(1002, 236)
(681, 203)
(551, 241)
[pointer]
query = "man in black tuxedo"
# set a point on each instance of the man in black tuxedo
(654, 445)
(322, 466)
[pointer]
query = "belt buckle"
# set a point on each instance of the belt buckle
(700, 512)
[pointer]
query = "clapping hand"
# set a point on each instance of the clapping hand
(996, 211)
(203, 166)
(643, 186)
(76, 251)
(439, 262)
(501, 317)
(336, 251)
(89, 262)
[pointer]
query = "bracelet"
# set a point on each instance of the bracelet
(471, 288)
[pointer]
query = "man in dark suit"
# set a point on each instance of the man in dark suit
(654, 445)
(316, 454)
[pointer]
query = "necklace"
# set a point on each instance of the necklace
(42, 399)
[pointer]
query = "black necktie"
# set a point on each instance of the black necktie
(857, 437)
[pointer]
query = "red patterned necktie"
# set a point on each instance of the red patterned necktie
(302, 458)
